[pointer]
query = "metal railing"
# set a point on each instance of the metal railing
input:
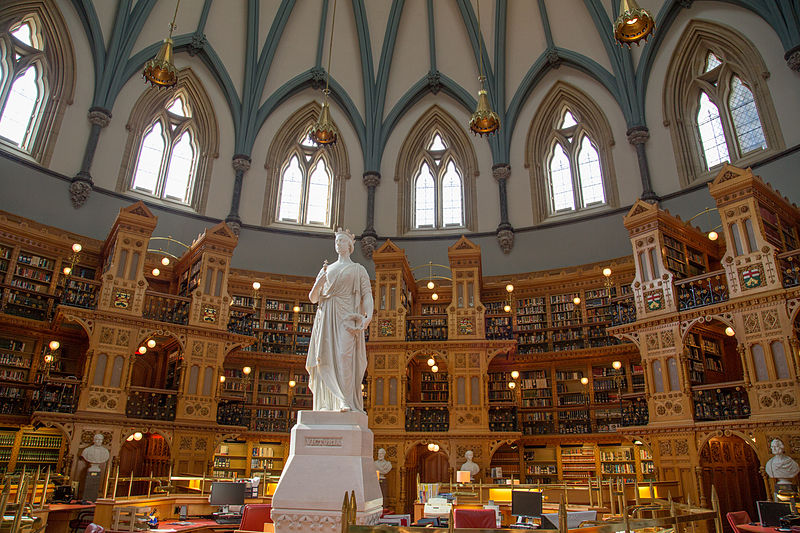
(232, 413)
(699, 291)
(80, 293)
(436, 419)
(623, 311)
(790, 268)
(720, 401)
(166, 308)
(151, 404)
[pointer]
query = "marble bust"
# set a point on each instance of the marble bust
(96, 454)
(781, 467)
(337, 354)
(469, 466)
(381, 464)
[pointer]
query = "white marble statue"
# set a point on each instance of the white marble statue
(337, 355)
(469, 466)
(96, 454)
(781, 467)
(381, 464)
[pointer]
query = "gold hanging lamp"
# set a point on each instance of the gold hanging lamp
(323, 131)
(160, 71)
(484, 121)
(633, 23)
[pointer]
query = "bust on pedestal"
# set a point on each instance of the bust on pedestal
(97, 456)
(330, 451)
(782, 468)
(382, 467)
(469, 466)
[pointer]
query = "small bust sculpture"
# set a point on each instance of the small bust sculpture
(96, 454)
(381, 464)
(781, 467)
(469, 466)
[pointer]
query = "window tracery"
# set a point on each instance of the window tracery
(568, 154)
(718, 78)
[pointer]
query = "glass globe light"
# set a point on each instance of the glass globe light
(142, 350)
(156, 272)
(151, 343)
(48, 358)
(138, 435)
(584, 381)
(509, 288)
(222, 379)
(67, 271)
(607, 272)
(713, 235)
(296, 308)
(617, 365)
(434, 296)
(512, 385)
(256, 285)
(729, 331)
(77, 247)
(246, 370)
(514, 374)
(507, 308)
(292, 383)
(435, 447)
(54, 345)
(577, 300)
(434, 369)
(431, 284)
(165, 260)
(130, 438)
(431, 361)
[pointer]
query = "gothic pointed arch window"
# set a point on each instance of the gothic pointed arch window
(36, 77)
(569, 155)
(717, 104)
(305, 181)
(436, 176)
(172, 136)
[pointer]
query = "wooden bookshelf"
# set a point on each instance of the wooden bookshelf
(618, 462)
(540, 464)
(531, 325)
(578, 462)
(505, 464)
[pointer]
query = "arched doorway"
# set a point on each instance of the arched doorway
(157, 363)
(505, 464)
(431, 466)
(732, 467)
(143, 455)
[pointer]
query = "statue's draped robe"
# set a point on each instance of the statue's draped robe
(337, 358)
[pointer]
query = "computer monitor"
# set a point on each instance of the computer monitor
(769, 513)
(225, 493)
(526, 504)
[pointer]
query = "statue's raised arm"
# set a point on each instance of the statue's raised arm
(337, 354)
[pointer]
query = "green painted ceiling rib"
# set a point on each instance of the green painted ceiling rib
(431, 35)
(548, 32)
(323, 19)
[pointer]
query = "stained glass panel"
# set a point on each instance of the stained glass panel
(424, 198)
(291, 191)
(179, 175)
(712, 136)
(561, 180)
(452, 198)
(148, 166)
(318, 194)
(20, 107)
(746, 123)
(591, 177)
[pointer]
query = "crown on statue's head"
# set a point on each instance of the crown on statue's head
(346, 233)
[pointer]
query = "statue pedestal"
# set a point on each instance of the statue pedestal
(330, 454)
(91, 486)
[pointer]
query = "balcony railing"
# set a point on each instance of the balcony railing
(720, 401)
(636, 413)
(427, 419)
(623, 311)
(58, 396)
(80, 293)
(151, 404)
(26, 303)
(232, 413)
(790, 268)
(166, 308)
(703, 290)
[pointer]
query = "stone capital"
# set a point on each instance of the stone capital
(235, 224)
(501, 171)
(638, 135)
(371, 178)
(792, 58)
(99, 116)
(241, 163)
(369, 243)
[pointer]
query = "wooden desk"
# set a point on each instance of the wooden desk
(58, 515)
(195, 525)
(756, 529)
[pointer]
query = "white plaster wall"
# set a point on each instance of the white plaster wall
(227, 34)
(411, 59)
(71, 143)
(346, 62)
(574, 29)
(454, 56)
(157, 27)
(525, 42)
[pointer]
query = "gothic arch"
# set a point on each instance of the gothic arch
(282, 144)
(408, 161)
(59, 70)
(152, 102)
(540, 141)
(439, 354)
(681, 89)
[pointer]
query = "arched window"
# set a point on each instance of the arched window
(305, 183)
(172, 136)
(672, 369)
(100, 370)
(779, 358)
(658, 376)
(436, 170)
(716, 77)
(35, 87)
(760, 363)
(305, 186)
(438, 196)
(569, 155)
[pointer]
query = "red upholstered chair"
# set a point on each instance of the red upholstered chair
(736, 518)
(477, 518)
(254, 516)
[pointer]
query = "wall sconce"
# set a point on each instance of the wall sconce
(256, 287)
(151, 343)
(76, 250)
(156, 272)
(433, 447)
(514, 374)
(142, 350)
(509, 290)
(293, 383)
(246, 378)
(730, 332)
(431, 361)
(296, 308)
(512, 385)
(434, 369)
(222, 379)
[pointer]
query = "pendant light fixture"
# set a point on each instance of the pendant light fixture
(633, 23)
(160, 71)
(484, 121)
(323, 131)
